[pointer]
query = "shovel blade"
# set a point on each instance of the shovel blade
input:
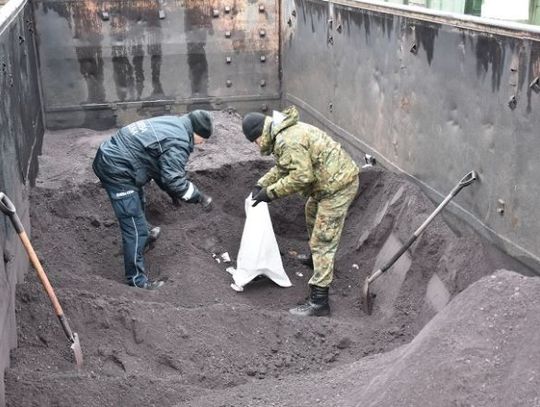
(77, 352)
(367, 298)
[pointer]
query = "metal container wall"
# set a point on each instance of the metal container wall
(21, 134)
(107, 63)
(432, 96)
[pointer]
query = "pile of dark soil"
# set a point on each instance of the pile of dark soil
(197, 342)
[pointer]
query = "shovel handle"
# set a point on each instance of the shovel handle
(468, 179)
(8, 209)
(6, 206)
(41, 275)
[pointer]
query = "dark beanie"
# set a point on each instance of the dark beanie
(253, 125)
(201, 122)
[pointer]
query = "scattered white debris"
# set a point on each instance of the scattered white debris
(356, 266)
(225, 257)
(299, 274)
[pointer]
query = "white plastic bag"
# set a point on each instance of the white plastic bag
(259, 252)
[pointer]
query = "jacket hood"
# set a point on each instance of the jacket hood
(276, 124)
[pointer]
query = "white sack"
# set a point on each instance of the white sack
(259, 252)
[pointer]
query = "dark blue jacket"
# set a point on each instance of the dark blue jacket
(156, 148)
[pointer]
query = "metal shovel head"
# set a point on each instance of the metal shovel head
(77, 352)
(367, 298)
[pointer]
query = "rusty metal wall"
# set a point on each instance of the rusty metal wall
(21, 134)
(106, 63)
(432, 97)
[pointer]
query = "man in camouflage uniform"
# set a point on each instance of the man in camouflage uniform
(308, 161)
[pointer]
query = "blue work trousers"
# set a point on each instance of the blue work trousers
(128, 205)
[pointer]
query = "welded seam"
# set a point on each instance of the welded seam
(31, 158)
(162, 102)
(349, 137)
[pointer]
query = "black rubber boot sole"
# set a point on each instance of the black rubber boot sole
(311, 310)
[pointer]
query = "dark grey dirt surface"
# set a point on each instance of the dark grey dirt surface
(196, 342)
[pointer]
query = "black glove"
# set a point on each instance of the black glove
(176, 202)
(262, 196)
(206, 202)
(256, 189)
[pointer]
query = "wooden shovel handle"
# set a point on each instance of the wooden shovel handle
(41, 274)
(7, 207)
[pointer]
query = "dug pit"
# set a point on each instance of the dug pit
(196, 338)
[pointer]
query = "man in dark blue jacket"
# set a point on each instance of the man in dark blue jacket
(154, 149)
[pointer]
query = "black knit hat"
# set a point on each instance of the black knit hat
(201, 122)
(253, 125)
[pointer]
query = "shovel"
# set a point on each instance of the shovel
(367, 297)
(7, 207)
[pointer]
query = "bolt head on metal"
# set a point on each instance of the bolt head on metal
(161, 14)
(227, 34)
(228, 60)
(264, 108)
(227, 9)
(501, 206)
(215, 12)
(263, 58)
(512, 103)
(228, 83)
(261, 8)
(262, 33)
(105, 15)
(262, 83)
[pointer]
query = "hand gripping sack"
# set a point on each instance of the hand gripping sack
(259, 252)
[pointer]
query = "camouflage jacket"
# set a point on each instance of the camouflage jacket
(308, 161)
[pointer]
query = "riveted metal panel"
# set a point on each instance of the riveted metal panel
(21, 134)
(109, 61)
(431, 96)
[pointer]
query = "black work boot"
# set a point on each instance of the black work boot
(306, 260)
(317, 304)
(152, 285)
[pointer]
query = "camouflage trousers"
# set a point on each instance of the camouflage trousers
(325, 219)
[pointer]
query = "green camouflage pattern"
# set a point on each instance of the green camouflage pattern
(325, 219)
(308, 161)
